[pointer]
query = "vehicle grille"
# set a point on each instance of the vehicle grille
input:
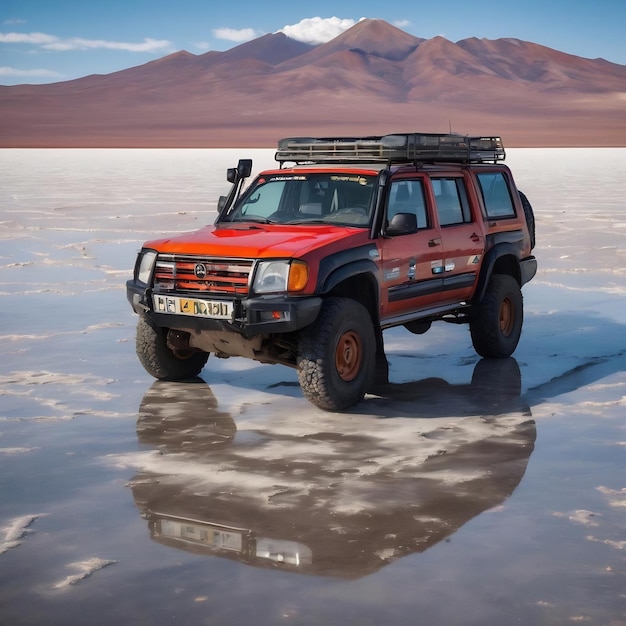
(175, 272)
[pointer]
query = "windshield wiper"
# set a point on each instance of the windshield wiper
(257, 219)
(306, 221)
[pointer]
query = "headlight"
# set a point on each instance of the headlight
(280, 276)
(145, 266)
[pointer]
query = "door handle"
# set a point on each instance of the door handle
(474, 237)
(434, 242)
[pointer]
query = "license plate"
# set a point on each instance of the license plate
(213, 309)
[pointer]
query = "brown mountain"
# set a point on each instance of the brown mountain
(371, 79)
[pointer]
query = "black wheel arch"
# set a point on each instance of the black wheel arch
(501, 259)
(351, 274)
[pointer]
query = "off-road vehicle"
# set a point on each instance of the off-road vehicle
(345, 238)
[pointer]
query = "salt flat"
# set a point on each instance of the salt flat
(232, 500)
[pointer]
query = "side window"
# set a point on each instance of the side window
(496, 196)
(407, 196)
(451, 198)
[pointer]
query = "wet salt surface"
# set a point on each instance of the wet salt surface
(460, 494)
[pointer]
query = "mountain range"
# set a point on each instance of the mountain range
(372, 79)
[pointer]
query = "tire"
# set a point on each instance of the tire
(337, 355)
(496, 322)
(161, 362)
(530, 218)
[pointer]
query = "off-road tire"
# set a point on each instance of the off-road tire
(496, 322)
(530, 218)
(337, 355)
(161, 362)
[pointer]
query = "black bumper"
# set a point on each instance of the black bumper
(253, 316)
(528, 269)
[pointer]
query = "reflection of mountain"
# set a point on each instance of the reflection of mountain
(327, 494)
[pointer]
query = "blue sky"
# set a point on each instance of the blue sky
(44, 41)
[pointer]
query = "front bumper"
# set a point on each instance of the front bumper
(253, 316)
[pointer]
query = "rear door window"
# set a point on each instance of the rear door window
(451, 198)
(496, 194)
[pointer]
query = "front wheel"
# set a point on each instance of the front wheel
(337, 355)
(160, 360)
(496, 322)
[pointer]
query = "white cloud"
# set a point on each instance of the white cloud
(78, 43)
(402, 23)
(52, 42)
(318, 29)
(37, 39)
(16, 20)
(40, 73)
(231, 34)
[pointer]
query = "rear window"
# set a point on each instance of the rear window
(496, 195)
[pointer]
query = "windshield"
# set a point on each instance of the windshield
(307, 198)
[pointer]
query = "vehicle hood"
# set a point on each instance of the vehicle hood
(256, 241)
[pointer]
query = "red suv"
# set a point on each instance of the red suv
(345, 238)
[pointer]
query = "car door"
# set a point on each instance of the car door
(462, 237)
(411, 278)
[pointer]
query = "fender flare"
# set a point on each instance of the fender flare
(498, 251)
(345, 264)
(349, 270)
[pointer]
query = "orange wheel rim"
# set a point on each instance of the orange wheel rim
(348, 356)
(507, 317)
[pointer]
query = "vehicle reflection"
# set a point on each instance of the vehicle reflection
(331, 494)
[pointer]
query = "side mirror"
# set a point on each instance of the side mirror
(234, 175)
(231, 174)
(402, 224)
(244, 168)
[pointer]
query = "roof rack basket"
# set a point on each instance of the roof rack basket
(394, 148)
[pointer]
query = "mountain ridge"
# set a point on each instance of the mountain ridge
(372, 79)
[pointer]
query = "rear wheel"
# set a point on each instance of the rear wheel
(496, 323)
(160, 360)
(337, 355)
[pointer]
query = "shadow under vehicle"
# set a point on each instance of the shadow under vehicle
(339, 495)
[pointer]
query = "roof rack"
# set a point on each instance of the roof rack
(393, 148)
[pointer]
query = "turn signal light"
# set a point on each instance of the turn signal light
(298, 276)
